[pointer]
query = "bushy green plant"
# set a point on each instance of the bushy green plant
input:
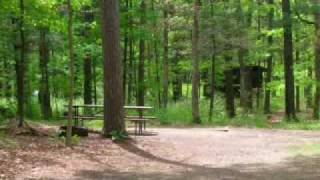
(117, 136)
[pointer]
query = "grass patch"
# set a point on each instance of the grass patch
(7, 142)
(305, 150)
(304, 125)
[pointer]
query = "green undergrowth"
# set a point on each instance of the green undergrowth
(6, 142)
(305, 150)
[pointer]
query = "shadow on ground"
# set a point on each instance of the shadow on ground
(300, 167)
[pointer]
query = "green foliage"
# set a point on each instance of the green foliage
(7, 109)
(305, 150)
(118, 136)
(7, 142)
(75, 140)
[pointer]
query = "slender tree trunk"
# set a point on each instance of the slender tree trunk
(87, 65)
(156, 56)
(297, 87)
(141, 70)
(176, 82)
(87, 69)
(131, 71)
(71, 69)
(94, 77)
(196, 62)
(267, 99)
(317, 63)
(113, 98)
(44, 93)
(21, 65)
(125, 51)
(288, 61)
(230, 108)
(308, 90)
(213, 77)
(165, 56)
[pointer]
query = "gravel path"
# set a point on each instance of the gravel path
(172, 154)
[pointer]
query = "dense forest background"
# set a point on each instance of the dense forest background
(181, 57)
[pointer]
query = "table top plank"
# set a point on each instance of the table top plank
(101, 106)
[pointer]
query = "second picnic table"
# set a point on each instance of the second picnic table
(139, 120)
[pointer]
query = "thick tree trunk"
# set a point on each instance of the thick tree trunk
(165, 56)
(317, 63)
(113, 98)
(141, 70)
(196, 62)
(44, 93)
(288, 61)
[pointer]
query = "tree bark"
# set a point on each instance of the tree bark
(317, 63)
(229, 91)
(21, 65)
(288, 61)
(125, 50)
(141, 70)
(165, 55)
(71, 71)
(196, 62)
(87, 69)
(44, 93)
(113, 94)
(267, 99)
(213, 78)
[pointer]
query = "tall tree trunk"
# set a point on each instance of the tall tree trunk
(297, 87)
(131, 71)
(141, 70)
(165, 55)
(87, 65)
(213, 77)
(245, 81)
(125, 50)
(317, 62)
(94, 77)
(308, 90)
(156, 58)
(21, 65)
(87, 69)
(229, 91)
(213, 67)
(267, 99)
(196, 62)
(71, 69)
(288, 61)
(176, 82)
(113, 98)
(44, 93)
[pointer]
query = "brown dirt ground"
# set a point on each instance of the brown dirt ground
(200, 154)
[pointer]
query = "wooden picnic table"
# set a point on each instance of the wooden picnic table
(139, 121)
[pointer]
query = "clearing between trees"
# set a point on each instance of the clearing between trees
(189, 153)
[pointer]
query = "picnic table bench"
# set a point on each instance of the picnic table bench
(96, 113)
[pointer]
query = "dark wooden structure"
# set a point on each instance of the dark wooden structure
(255, 76)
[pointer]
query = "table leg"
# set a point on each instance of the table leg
(135, 127)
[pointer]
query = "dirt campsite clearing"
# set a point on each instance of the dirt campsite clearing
(197, 153)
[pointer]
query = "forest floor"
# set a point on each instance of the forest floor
(170, 154)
